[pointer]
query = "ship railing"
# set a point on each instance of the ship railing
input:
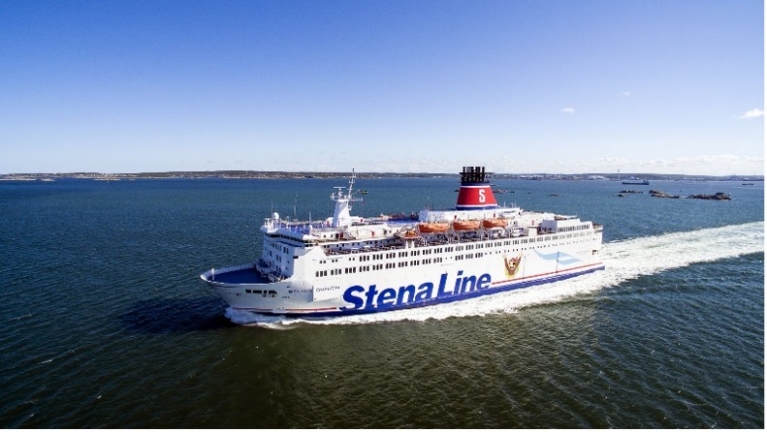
(276, 277)
(211, 274)
(363, 250)
(368, 222)
(299, 227)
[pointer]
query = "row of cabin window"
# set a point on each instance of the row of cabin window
(390, 255)
(469, 256)
(265, 293)
(425, 261)
(448, 249)
(278, 248)
(574, 228)
(404, 254)
(374, 267)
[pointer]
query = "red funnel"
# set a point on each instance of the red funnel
(475, 192)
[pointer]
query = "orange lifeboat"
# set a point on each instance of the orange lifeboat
(433, 227)
(494, 223)
(407, 234)
(466, 225)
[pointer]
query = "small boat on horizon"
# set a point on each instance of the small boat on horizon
(644, 182)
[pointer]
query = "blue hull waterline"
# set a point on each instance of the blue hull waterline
(349, 265)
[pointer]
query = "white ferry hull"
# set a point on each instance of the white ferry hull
(352, 265)
(425, 286)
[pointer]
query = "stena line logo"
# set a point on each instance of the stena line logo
(374, 297)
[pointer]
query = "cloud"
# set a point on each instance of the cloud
(754, 113)
(625, 94)
(568, 110)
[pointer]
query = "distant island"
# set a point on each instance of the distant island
(244, 174)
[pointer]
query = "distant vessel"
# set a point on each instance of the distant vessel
(351, 265)
(636, 182)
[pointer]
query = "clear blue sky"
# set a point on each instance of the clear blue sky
(657, 86)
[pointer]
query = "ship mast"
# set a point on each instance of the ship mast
(341, 215)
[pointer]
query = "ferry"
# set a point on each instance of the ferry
(636, 182)
(348, 264)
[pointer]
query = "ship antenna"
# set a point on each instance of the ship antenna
(349, 192)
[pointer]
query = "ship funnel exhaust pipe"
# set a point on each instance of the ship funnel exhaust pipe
(475, 192)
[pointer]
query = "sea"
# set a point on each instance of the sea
(106, 323)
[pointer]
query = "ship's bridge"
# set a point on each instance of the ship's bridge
(561, 224)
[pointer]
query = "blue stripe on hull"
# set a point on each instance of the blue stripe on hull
(448, 299)
(476, 207)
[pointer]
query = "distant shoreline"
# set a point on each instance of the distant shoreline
(309, 175)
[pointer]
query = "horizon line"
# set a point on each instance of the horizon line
(343, 173)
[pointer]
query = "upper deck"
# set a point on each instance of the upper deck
(386, 233)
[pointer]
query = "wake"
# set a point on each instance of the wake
(624, 260)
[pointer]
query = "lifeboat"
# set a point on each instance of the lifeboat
(494, 223)
(407, 234)
(433, 227)
(466, 225)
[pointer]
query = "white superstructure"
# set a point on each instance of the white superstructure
(348, 264)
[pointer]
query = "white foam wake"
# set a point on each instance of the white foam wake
(624, 260)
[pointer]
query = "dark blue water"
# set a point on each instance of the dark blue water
(106, 323)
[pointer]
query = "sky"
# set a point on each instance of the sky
(519, 86)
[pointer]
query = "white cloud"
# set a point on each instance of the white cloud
(625, 94)
(754, 113)
(569, 110)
